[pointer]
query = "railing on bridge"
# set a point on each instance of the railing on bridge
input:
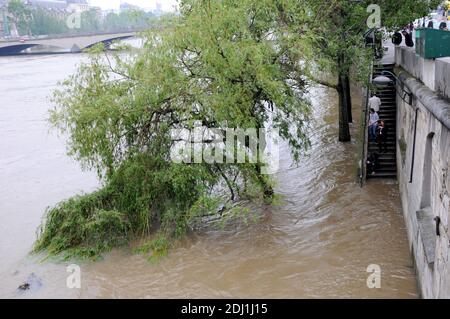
(71, 35)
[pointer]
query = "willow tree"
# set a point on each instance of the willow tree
(338, 47)
(220, 62)
(21, 16)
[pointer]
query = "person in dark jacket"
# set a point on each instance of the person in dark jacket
(408, 39)
(373, 163)
(382, 135)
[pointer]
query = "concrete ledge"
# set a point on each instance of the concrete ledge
(406, 58)
(442, 75)
(437, 106)
(434, 73)
(427, 233)
(420, 68)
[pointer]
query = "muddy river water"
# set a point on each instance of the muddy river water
(318, 242)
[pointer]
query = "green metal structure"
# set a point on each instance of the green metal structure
(432, 43)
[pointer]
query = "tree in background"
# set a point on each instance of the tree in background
(338, 47)
(90, 21)
(40, 21)
(44, 22)
(21, 16)
(130, 19)
(112, 22)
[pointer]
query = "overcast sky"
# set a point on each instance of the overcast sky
(167, 5)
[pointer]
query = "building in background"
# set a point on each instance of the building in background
(58, 8)
(51, 5)
(158, 11)
(4, 25)
(125, 6)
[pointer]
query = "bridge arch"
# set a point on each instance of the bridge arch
(16, 49)
(110, 41)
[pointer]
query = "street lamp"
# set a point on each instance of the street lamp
(382, 81)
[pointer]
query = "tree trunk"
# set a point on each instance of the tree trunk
(348, 97)
(267, 188)
(344, 129)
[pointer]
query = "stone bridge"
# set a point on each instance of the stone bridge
(73, 43)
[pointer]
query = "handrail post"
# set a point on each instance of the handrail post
(365, 134)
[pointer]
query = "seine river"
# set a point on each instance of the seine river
(318, 242)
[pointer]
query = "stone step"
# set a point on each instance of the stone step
(382, 175)
(380, 71)
(376, 148)
(388, 118)
(390, 66)
(387, 96)
(391, 134)
(387, 170)
(390, 140)
(386, 156)
(387, 164)
(387, 114)
(390, 101)
(387, 91)
(390, 122)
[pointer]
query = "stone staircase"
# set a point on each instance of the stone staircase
(387, 113)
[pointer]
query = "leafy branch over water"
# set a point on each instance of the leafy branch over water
(223, 61)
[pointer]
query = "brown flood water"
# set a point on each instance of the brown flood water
(317, 243)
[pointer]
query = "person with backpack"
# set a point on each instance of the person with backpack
(382, 135)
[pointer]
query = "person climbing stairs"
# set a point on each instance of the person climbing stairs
(387, 161)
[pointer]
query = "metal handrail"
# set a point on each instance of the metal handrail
(365, 133)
